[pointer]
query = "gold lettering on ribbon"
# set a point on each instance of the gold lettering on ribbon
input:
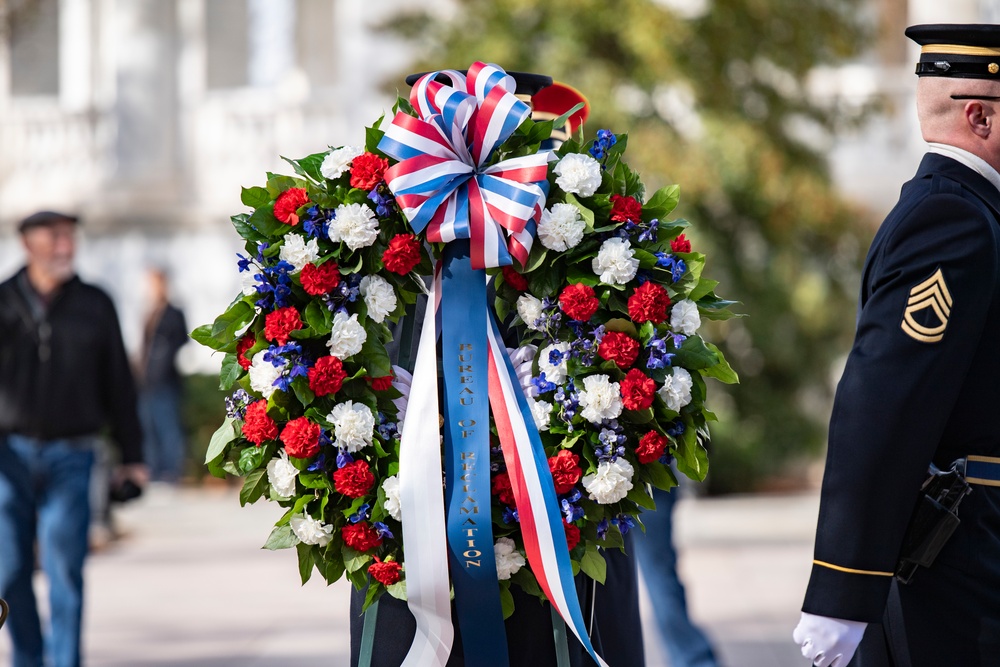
(468, 507)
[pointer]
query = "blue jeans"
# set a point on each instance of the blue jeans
(686, 644)
(44, 496)
(163, 445)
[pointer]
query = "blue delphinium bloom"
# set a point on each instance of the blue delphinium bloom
(624, 522)
(602, 529)
(658, 355)
(568, 400)
(319, 463)
(676, 428)
(343, 458)
(605, 140)
(383, 199)
(542, 385)
(387, 428)
(510, 515)
(612, 439)
(316, 221)
(236, 404)
(382, 530)
(569, 505)
(363, 514)
(348, 291)
(675, 265)
(274, 285)
(649, 232)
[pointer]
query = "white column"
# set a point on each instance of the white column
(272, 41)
(75, 54)
(935, 11)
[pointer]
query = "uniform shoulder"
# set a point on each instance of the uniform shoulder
(939, 208)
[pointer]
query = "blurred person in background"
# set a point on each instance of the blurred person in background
(686, 644)
(919, 388)
(64, 379)
(160, 385)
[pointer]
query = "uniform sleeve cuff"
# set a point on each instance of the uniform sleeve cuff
(854, 595)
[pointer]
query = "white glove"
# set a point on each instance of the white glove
(828, 642)
(522, 358)
(401, 380)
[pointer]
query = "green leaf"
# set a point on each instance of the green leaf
(662, 202)
(593, 564)
(722, 371)
(693, 354)
(255, 197)
(526, 580)
(659, 475)
(691, 459)
(231, 372)
(585, 212)
(506, 600)
(703, 288)
(253, 457)
(265, 223)
(373, 136)
(354, 561)
(234, 319)
(281, 537)
(638, 495)
(225, 434)
(203, 335)
(332, 569)
(373, 352)
(306, 560)
(397, 590)
(308, 166)
(253, 487)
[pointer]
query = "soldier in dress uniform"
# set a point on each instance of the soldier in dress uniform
(921, 386)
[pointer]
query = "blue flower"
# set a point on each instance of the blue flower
(541, 384)
(315, 221)
(363, 513)
(243, 263)
(624, 522)
(382, 530)
(658, 355)
(236, 404)
(602, 529)
(605, 140)
(649, 234)
(510, 515)
(318, 464)
(676, 428)
(343, 458)
(383, 199)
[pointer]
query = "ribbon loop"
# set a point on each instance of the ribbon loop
(443, 181)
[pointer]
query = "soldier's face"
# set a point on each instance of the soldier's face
(51, 248)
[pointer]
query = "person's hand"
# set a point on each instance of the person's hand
(522, 359)
(828, 642)
(401, 380)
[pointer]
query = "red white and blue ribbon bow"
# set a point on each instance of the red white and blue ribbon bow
(443, 182)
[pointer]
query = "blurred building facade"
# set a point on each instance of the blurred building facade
(147, 116)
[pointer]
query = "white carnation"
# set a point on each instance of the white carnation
(379, 297)
(684, 317)
(611, 482)
(391, 504)
(337, 161)
(248, 282)
(347, 336)
(353, 424)
(529, 309)
(281, 474)
(355, 225)
(579, 174)
(615, 263)
(676, 389)
(263, 374)
(600, 399)
(509, 559)
(310, 530)
(561, 227)
(555, 373)
(297, 252)
(542, 412)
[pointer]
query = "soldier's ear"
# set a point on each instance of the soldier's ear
(979, 118)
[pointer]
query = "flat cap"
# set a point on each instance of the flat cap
(965, 51)
(44, 219)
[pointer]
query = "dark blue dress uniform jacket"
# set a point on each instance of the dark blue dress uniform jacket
(922, 384)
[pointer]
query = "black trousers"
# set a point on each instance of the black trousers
(616, 631)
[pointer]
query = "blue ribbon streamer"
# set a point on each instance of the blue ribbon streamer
(464, 357)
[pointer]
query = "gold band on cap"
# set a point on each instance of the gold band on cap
(959, 50)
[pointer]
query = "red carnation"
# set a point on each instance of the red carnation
(367, 171)
(288, 202)
(386, 573)
(257, 426)
(383, 383)
(680, 244)
(360, 536)
(402, 255)
(566, 472)
(280, 323)
(502, 488)
(637, 390)
(651, 447)
(320, 279)
(648, 303)
(514, 279)
(242, 347)
(619, 348)
(326, 376)
(625, 209)
(572, 535)
(354, 479)
(301, 438)
(578, 301)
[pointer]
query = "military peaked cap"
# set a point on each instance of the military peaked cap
(965, 51)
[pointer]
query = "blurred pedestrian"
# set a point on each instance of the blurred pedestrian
(160, 384)
(64, 378)
(686, 644)
(920, 387)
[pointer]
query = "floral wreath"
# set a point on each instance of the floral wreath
(606, 310)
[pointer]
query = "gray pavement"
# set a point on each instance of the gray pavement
(189, 585)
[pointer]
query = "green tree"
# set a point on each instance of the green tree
(716, 103)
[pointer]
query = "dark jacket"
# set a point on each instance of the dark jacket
(920, 385)
(164, 337)
(63, 367)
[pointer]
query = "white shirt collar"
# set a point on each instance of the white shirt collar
(973, 162)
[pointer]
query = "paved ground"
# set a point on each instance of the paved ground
(188, 585)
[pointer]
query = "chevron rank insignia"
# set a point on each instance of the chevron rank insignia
(927, 310)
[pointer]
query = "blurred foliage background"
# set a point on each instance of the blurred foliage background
(716, 102)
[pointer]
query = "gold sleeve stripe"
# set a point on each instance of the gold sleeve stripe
(851, 570)
(959, 50)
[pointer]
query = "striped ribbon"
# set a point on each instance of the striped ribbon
(442, 181)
